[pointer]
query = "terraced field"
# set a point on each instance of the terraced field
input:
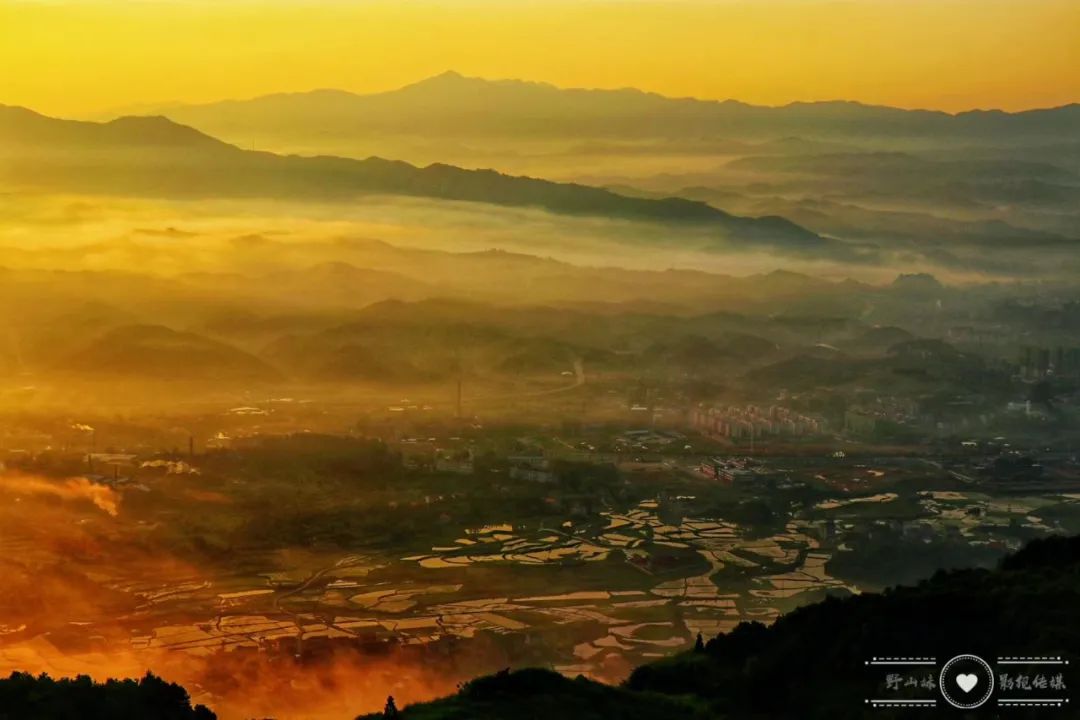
(594, 597)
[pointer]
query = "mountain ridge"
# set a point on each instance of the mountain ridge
(27, 125)
(187, 162)
(452, 77)
(450, 97)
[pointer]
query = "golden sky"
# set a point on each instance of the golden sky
(78, 57)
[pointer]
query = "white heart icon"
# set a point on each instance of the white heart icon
(968, 681)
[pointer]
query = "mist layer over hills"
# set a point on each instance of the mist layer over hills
(828, 202)
(397, 317)
(834, 181)
(190, 257)
(156, 157)
(537, 128)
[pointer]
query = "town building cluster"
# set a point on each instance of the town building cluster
(753, 421)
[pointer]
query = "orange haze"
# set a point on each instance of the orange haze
(67, 607)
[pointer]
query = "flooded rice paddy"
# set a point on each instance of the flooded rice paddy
(594, 597)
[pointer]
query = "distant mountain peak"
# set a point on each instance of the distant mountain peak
(917, 283)
(18, 111)
(448, 76)
(28, 128)
(453, 81)
(159, 127)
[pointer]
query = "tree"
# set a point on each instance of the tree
(699, 644)
(391, 711)
(1043, 393)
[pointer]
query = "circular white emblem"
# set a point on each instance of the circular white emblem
(966, 682)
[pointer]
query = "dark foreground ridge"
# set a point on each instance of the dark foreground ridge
(42, 698)
(808, 665)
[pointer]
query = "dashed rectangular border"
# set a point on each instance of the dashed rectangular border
(1031, 661)
(901, 661)
(884, 703)
(1033, 702)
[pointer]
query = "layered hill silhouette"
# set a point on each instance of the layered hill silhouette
(902, 167)
(160, 353)
(451, 104)
(153, 156)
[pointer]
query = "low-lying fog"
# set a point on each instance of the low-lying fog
(249, 236)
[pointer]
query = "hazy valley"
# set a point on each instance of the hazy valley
(315, 398)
